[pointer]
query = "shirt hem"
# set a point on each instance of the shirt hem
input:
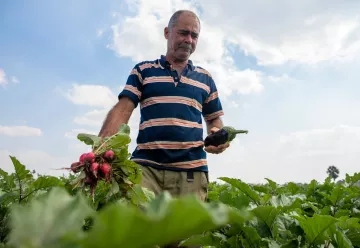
(203, 168)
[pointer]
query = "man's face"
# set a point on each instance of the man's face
(183, 37)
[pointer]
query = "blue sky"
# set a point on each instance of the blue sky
(50, 46)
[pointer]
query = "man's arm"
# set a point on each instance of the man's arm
(217, 123)
(118, 115)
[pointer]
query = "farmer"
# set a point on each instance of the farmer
(174, 94)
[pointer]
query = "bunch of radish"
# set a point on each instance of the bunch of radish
(95, 167)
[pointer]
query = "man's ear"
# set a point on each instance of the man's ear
(166, 33)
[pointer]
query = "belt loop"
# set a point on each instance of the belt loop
(190, 176)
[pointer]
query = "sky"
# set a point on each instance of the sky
(288, 73)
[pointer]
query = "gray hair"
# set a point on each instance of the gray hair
(174, 18)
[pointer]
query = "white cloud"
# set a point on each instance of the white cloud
(15, 80)
(303, 31)
(76, 146)
(4, 80)
(99, 32)
(338, 140)
(20, 131)
(310, 35)
(74, 132)
(91, 95)
(140, 37)
(96, 117)
(92, 121)
(230, 80)
(40, 161)
(93, 118)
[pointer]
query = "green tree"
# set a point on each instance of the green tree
(333, 171)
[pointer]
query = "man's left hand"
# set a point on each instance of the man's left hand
(216, 149)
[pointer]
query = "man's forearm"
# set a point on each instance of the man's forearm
(214, 123)
(118, 115)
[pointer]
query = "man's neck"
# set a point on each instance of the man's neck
(175, 63)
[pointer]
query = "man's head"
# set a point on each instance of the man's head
(182, 35)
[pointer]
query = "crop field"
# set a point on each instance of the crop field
(100, 204)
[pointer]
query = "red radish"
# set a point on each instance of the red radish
(106, 169)
(90, 157)
(94, 168)
(75, 167)
(92, 189)
(82, 158)
(109, 155)
(89, 180)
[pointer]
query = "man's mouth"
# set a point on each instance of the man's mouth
(186, 48)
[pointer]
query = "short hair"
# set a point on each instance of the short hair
(174, 18)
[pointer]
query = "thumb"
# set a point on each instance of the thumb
(214, 129)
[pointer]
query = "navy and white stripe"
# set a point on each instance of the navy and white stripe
(170, 129)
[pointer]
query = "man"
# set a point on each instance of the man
(173, 95)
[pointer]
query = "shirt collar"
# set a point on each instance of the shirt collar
(163, 63)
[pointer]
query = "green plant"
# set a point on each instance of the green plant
(20, 187)
(291, 215)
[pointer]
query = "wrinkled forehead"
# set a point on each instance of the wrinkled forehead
(188, 22)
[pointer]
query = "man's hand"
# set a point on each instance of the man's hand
(216, 149)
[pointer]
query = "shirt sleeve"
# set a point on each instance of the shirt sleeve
(212, 107)
(133, 86)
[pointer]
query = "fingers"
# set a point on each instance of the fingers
(224, 146)
(217, 149)
(212, 150)
(214, 129)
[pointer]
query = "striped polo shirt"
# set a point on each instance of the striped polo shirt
(172, 107)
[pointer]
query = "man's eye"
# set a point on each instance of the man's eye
(186, 33)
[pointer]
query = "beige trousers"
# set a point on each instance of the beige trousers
(177, 183)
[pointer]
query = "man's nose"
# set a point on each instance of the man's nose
(188, 38)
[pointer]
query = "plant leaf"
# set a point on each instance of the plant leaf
(266, 215)
(207, 239)
(89, 139)
(22, 174)
(124, 128)
(165, 220)
(316, 227)
(55, 218)
(245, 188)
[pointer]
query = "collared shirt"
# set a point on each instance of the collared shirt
(172, 107)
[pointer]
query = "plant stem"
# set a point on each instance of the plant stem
(241, 131)
(20, 193)
(20, 187)
(112, 136)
